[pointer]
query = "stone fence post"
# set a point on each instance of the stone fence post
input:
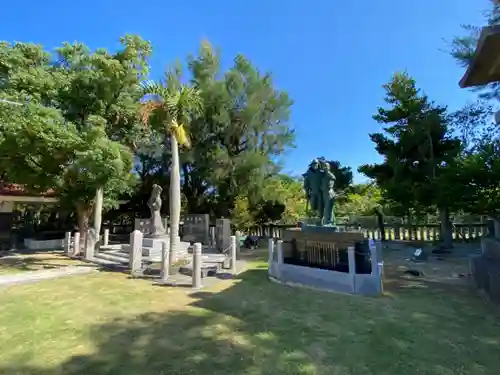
(238, 241)
(197, 266)
(67, 243)
(105, 240)
(279, 258)
(76, 244)
(165, 260)
(352, 266)
(374, 256)
(135, 260)
(233, 255)
(271, 251)
(90, 242)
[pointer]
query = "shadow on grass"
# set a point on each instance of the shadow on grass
(257, 327)
(21, 261)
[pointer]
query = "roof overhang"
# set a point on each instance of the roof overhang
(485, 65)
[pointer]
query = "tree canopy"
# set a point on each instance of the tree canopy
(78, 120)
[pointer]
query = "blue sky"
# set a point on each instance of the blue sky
(331, 56)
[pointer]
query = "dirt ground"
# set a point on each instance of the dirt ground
(439, 270)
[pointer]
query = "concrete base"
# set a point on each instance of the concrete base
(327, 280)
(152, 248)
(44, 245)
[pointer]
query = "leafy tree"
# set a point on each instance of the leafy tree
(84, 106)
(362, 200)
(419, 152)
(239, 137)
(479, 167)
(172, 106)
(282, 201)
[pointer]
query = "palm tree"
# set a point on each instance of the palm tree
(173, 105)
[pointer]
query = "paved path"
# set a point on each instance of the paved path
(35, 276)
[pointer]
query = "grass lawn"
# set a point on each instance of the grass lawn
(108, 324)
(21, 262)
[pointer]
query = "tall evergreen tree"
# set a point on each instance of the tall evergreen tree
(419, 152)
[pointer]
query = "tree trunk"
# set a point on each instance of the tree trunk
(446, 229)
(83, 214)
(175, 198)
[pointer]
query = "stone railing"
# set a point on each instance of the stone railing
(427, 232)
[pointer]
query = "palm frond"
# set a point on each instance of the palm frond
(184, 103)
(154, 89)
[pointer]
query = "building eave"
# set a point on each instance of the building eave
(485, 65)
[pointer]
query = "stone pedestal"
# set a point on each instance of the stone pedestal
(152, 248)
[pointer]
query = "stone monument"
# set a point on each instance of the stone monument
(196, 228)
(155, 234)
(156, 228)
(222, 234)
(320, 232)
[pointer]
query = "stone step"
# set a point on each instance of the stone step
(111, 247)
(113, 257)
(119, 253)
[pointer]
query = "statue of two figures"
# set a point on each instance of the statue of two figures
(319, 185)
(156, 228)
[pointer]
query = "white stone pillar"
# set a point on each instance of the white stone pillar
(233, 255)
(279, 251)
(165, 260)
(279, 257)
(67, 243)
(90, 239)
(212, 238)
(105, 240)
(238, 242)
(99, 198)
(271, 251)
(352, 266)
(135, 261)
(76, 244)
(197, 266)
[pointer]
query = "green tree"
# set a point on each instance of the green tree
(479, 159)
(419, 153)
(95, 99)
(361, 200)
(282, 200)
(239, 138)
(171, 106)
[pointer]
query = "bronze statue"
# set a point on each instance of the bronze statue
(312, 186)
(156, 228)
(328, 194)
(319, 185)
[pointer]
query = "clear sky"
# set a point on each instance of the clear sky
(331, 56)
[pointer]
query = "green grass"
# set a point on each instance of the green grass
(108, 324)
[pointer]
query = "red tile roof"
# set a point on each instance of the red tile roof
(18, 190)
